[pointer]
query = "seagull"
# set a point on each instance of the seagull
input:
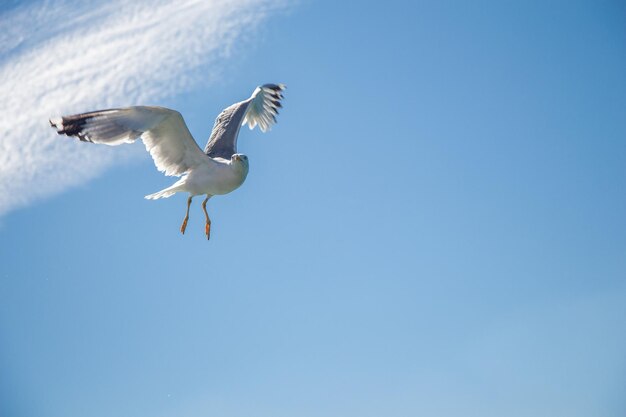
(217, 170)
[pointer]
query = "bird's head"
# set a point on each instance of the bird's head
(239, 158)
(240, 163)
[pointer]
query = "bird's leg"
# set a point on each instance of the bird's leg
(207, 227)
(184, 225)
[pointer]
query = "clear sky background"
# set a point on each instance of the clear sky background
(436, 226)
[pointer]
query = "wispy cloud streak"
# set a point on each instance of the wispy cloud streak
(66, 57)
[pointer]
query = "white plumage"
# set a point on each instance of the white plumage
(218, 170)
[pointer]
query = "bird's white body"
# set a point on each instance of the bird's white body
(217, 176)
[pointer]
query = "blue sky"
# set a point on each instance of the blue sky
(435, 226)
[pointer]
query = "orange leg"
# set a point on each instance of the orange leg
(184, 225)
(207, 227)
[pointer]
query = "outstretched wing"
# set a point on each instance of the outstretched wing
(163, 131)
(261, 108)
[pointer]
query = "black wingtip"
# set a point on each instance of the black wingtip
(277, 88)
(71, 126)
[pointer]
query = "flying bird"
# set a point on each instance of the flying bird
(217, 170)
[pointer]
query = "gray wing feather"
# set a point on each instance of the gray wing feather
(223, 140)
(163, 132)
(260, 109)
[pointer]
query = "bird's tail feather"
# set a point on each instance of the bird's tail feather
(168, 192)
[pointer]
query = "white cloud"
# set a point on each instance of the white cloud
(68, 57)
